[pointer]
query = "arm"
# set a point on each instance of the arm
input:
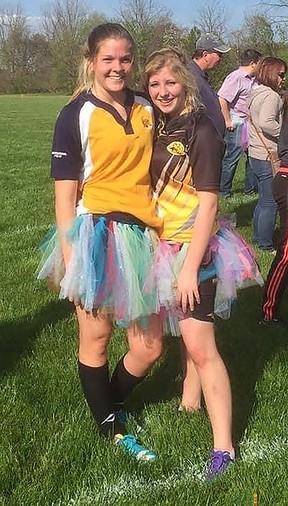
(227, 94)
(187, 286)
(206, 154)
(268, 116)
(65, 205)
(66, 165)
(225, 108)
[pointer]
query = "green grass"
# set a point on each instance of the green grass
(50, 451)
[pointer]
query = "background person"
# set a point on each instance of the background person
(206, 57)
(233, 95)
(104, 212)
(265, 118)
(277, 279)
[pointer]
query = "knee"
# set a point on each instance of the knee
(152, 351)
(201, 357)
(95, 342)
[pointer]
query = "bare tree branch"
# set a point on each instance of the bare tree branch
(212, 18)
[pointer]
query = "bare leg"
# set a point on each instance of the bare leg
(94, 371)
(200, 342)
(94, 336)
(191, 394)
(145, 347)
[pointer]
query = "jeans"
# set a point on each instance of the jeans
(230, 161)
(277, 280)
(264, 216)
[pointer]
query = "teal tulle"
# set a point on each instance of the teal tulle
(108, 268)
(51, 264)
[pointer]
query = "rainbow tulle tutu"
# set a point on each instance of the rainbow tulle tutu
(131, 274)
(228, 257)
(109, 266)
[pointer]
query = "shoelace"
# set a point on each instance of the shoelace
(218, 460)
(132, 445)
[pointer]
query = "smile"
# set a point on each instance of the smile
(116, 78)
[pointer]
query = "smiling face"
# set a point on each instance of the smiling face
(112, 66)
(166, 92)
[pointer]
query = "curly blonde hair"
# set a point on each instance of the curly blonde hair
(176, 61)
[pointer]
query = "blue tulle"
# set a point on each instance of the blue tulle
(108, 266)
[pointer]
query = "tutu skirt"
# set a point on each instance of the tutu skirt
(109, 266)
(228, 257)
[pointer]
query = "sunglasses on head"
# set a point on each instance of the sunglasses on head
(282, 75)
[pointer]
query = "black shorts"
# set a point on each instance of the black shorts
(204, 311)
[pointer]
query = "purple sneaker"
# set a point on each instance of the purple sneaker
(218, 463)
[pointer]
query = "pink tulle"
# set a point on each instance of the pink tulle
(233, 262)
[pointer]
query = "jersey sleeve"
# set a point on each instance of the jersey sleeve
(66, 161)
(206, 155)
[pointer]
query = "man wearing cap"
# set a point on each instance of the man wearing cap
(233, 95)
(207, 55)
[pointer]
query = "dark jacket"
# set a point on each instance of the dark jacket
(209, 98)
(283, 143)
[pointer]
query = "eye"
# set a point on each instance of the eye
(127, 59)
(153, 85)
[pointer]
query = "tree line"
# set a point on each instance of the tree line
(47, 60)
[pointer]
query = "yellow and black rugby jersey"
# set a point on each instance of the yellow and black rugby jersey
(187, 158)
(108, 155)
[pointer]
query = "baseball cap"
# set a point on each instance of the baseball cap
(209, 41)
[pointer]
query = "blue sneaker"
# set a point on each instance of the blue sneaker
(219, 462)
(131, 446)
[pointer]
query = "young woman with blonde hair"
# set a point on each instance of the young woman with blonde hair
(201, 261)
(106, 227)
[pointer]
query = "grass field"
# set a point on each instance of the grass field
(50, 452)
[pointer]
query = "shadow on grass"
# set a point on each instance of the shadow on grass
(17, 337)
(244, 212)
(246, 347)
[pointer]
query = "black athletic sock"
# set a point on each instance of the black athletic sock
(98, 394)
(122, 383)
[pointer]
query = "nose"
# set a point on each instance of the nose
(163, 92)
(117, 65)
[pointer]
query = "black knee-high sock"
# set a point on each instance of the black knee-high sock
(122, 383)
(98, 394)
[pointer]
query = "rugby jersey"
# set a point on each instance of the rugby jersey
(187, 158)
(108, 155)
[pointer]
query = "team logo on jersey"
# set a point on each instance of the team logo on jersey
(146, 123)
(176, 148)
(59, 154)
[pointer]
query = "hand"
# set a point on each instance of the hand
(230, 126)
(187, 294)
